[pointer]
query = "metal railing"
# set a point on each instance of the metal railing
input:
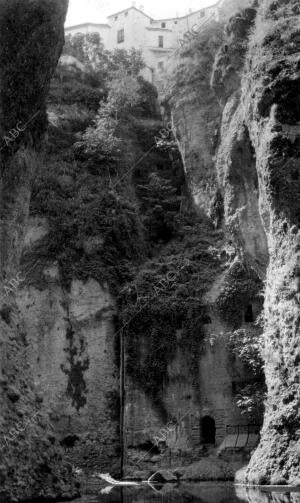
(245, 430)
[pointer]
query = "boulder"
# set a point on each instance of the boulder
(162, 476)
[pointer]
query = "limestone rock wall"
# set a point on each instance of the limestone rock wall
(196, 115)
(72, 352)
(273, 119)
(255, 169)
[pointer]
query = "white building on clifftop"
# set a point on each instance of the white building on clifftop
(156, 38)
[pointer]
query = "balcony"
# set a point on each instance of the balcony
(161, 49)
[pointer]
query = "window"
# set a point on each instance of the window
(120, 36)
(160, 41)
(116, 18)
(175, 22)
(163, 25)
(160, 65)
(202, 13)
(126, 14)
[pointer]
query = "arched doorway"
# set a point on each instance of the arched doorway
(249, 317)
(208, 430)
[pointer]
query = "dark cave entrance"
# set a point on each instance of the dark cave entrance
(249, 317)
(208, 430)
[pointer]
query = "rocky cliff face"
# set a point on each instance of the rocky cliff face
(85, 239)
(72, 353)
(182, 274)
(30, 457)
(272, 114)
(251, 172)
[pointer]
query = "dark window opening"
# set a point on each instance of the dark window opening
(202, 13)
(116, 18)
(160, 65)
(126, 13)
(208, 430)
(163, 25)
(120, 36)
(249, 318)
(160, 41)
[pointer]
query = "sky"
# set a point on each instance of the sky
(81, 11)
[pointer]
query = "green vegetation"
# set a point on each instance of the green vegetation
(245, 343)
(79, 211)
(164, 306)
(101, 64)
(98, 227)
(95, 231)
(101, 138)
(241, 287)
(160, 206)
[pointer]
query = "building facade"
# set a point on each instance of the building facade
(157, 39)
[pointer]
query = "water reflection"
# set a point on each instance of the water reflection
(205, 492)
(276, 496)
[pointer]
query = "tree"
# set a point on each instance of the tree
(123, 94)
(101, 139)
(87, 48)
(246, 345)
(130, 62)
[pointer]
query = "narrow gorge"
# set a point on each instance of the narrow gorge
(149, 250)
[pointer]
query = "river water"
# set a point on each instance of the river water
(204, 492)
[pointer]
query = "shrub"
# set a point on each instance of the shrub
(246, 344)
(250, 398)
(100, 139)
(160, 206)
(251, 401)
(166, 296)
(240, 287)
(129, 62)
